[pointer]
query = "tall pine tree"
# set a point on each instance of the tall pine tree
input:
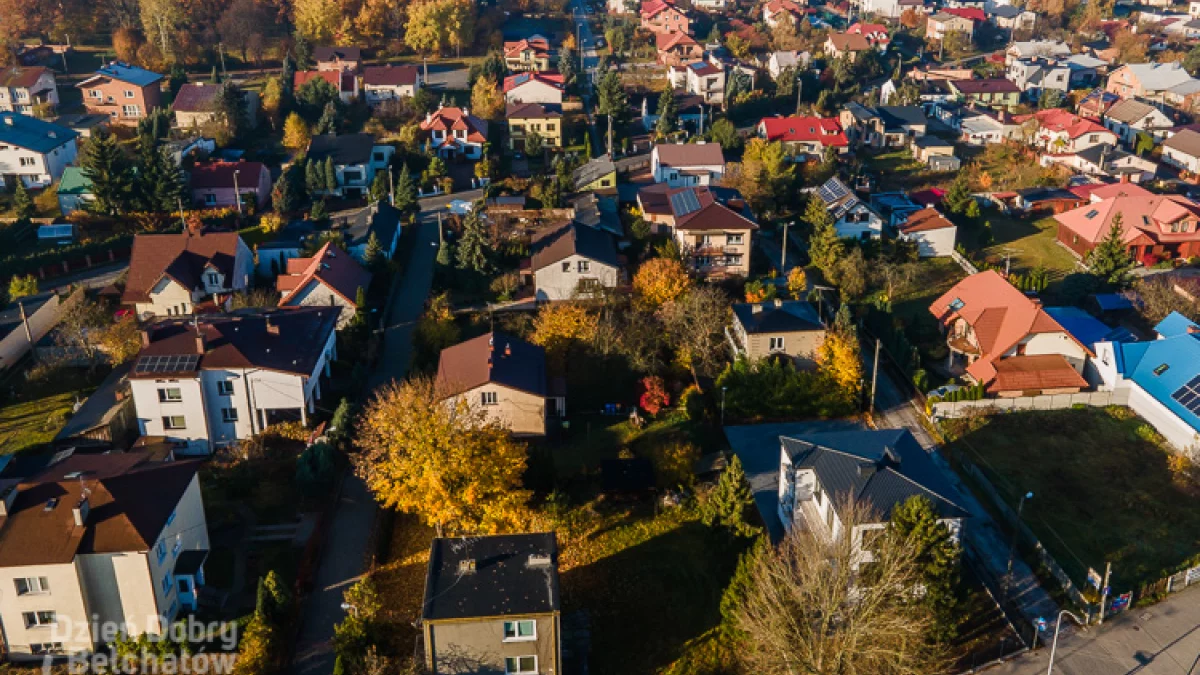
(110, 173)
(731, 503)
(406, 192)
(668, 111)
(330, 176)
(473, 247)
(1109, 262)
(937, 558)
(22, 202)
(824, 246)
(159, 183)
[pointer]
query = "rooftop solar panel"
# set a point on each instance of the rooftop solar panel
(1188, 395)
(174, 363)
(685, 202)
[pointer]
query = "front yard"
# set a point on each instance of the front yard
(32, 413)
(1104, 488)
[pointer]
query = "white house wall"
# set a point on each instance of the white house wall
(552, 283)
(1055, 343)
(934, 243)
(150, 411)
(65, 598)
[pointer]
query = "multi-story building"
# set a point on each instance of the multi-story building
(529, 54)
(782, 327)
(356, 158)
(526, 118)
(98, 543)
(23, 87)
(571, 260)
(682, 165)
(1153, 227)
(663, 16)
(123, 92)
(545, 88)
(330, 278)
(173, 274)
(994, 93)
(456, 132)
(492, 605)
(33, 151)
(215, 380)
(804, 137)
(386, 83)
(347, 59)
(716, 239)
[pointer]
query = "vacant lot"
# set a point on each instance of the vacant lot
(1029, 243)
(897, 170)
(34, 412)
(1104, 489)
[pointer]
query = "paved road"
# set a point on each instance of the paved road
(344, 559)
(587, 42)
(1160, 640)
(895, 411)
(92, 277)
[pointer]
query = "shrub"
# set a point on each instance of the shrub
(654, 395)
(674, 464)
(315, 469)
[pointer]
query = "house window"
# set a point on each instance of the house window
(514, 665)
(229, 415)
(584, 266)
(95, 93)
(128, 93)
(210, 200)
(489, 398)
(166, 584)
(170, 395)
(549, 127)
(775, 344)
(32, 585)
(515, 631)
(28, 161)
(46, 648)
(213, 278)
(706, 240)
(566, 266)
(174, 422)
(734, 238)
(817, 492)
(39, 619)
(379, 158)
(161, 550)
(225, 388)
(131, 111)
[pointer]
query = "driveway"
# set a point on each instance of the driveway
(445, 76)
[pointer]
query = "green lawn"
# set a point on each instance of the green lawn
(1030, 243)
(897, 170)
(1104, 489)
(40, 409)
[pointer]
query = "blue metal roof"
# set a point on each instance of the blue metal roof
(1175, 324)
(131, 74)
(1161, 367)
(1110, 302)
(1084, 327)
(31, 133)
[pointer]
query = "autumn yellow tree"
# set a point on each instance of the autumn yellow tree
(660, 280)
(295, 133)
(426, 30)
(487, 101)
(443, 461)
(560, 325)
(797, 282)
(839, 354)
(316, 20)
(460, 23)
(121, 341)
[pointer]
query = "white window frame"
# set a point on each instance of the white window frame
(128, 93)
(735, 238)
(33, 585)
(515, 631)
(519, 670)
(165, 396)
(28, 161)
(776, 343)
(37, 619)
(489, 398)
(229, 415)
(224, 387)
(168, 423)
(584, 266)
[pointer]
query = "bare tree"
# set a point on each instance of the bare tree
(695, 325)
(814, 605)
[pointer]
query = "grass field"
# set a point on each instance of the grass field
(41, 409)
(1030, 243)
(897, 170)
(1104, 489)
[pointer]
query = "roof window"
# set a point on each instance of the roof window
(957, 304)
(1162, 368)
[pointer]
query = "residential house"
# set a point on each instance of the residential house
(83, 124)
(682, 165)
(821, 474)
(936, 153)
(174, 274)
(894, 207)
(33, 151)
(381, 220)
(123, 92)
(1085, 70)
(775, 11)
(1027, 49)
(932, 232)
(198, 103)
(712, 226)
(846, 45)
(664, 16)
(875, 33)
(210, 382)
(388, 83)
(599, 173)
(99, 540)
(804, 137)
(1097, 104)
(938, 25)
(1062, 132)
(705, 79)
(1182, 151)
(883, 126)
(689, 108)
(529, 54)
(852, 218)
(888, 8)
(1153, 81)
(495, 598)
(23, 87)
(544, 88)
(676, 48)
(330, 278)
(74, 190)
(1107, 161)
(780, 61)
(344, 81)
(106, 420)
(1037, 75)
(1013, 18)
(348, 59)
(785, 327)
(970, 10)
(1008, 341)
(456, 132)
(711, 5)
(355, 159)
(599, 210)
(506, 378)
(1130, 117)
(569, 260)
(993, 93)
(1153, 228)
(527, 118)
(223, 184)
(1045, 200)
(1162, 378)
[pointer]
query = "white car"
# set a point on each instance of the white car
(460, 207)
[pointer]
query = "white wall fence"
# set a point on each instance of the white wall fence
(1099, 399)
(967, 265)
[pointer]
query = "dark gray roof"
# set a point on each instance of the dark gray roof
(789, 316)
(878, 469)
(557, 243)
(502, 583)
(345, 150)
(1038, 194)
(10, 315)
(99, 408)
(1007, 12)
(1106, 151)
(902, 115)
(381, 218)
(598, 211)
(593, 171)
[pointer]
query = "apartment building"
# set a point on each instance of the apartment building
(123, 92)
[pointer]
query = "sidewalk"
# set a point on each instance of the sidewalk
(1163, 639)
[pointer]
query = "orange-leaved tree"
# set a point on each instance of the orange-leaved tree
(839, 354)
(654, 395)
(660, 280)
(443, 461)
(561, 325)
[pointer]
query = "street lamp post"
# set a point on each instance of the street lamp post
(1012, 549)
(1054, 645)
(237, 192)
(723, 405)
(347, 607)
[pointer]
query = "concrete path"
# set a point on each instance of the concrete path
(343, 561)
(1160, 640)
(894, 410)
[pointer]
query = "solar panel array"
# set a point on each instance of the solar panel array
(1188, 395)
(176, 363)
(832, 190)
(683, 203)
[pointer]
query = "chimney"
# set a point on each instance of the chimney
(201, 345)
(466, 566)
(145, 333)
(6, 500)
(8, 120)
(272, 327)
(1193, 329)
(507, 349)
(81, 511)
(866, 470)
(538, 560)
(778, 302)
(756, 308)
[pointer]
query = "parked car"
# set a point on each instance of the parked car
(944, 390)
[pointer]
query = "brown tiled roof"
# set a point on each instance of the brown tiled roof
(220, 175)
(530, 111)
(337, 53)
(286, 340)
(852, 42)
(332, 267)
(181, 257)
(129, 499)
(196, 97)
(389, 75)
(1035, 373)
(923, 220)
(21, 77)
(689, 154)
(714, 216)
(494, 357)
(448, 119)
(567, 239)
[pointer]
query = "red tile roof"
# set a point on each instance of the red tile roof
(539, 45)
(876, 33)
(825, 130)
(655, 7)
(220, 175)
(1035, 373)
(553, 79)
(456, 119)
(331, 267)
(493, 357)
(1141, 215)
(849, 42)
(390, 76)
(342, 80)
(665, 41)
(21, 77)
(924, 220)
(972, 13)
(1057, 120)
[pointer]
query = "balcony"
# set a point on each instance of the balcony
(962, 345)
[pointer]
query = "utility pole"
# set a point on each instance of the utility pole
(579, 45)
(64, 55)
(25, 323)
(1012, 549)
(237, 192)
(783, 249)
(221, 52)
(441, 239)
(182, 220)
(392, 188)
(425, 65)
(799, 90)
(701, 119)
(1104, 591)
(875, 375)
